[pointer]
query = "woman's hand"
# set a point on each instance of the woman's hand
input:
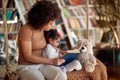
(58, 61)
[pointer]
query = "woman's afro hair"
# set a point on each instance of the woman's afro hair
(42, 12)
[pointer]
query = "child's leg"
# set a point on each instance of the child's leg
(73, 65)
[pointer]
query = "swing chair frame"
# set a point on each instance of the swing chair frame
(9, 75)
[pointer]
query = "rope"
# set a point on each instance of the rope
(87, 17)
(5, 35)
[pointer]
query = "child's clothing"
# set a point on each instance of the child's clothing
(52, 52)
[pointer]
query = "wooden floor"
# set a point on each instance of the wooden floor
(113, 72)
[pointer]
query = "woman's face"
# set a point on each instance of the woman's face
(48, 26)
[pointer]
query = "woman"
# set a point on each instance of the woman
(31, 41)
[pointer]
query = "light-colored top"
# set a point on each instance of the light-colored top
(50, 51)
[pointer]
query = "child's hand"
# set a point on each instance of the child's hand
(58, 61)
(63, 52)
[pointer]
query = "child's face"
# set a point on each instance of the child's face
(55, 43)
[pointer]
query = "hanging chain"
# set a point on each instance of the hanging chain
(87, 17)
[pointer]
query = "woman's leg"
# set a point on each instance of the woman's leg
(30, 73)
(51, 72)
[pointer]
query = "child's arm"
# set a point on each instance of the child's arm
(48, 52)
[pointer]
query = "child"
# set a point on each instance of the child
(51, 50)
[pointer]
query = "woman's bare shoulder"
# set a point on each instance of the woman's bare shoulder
(25, 32)
(26, 27)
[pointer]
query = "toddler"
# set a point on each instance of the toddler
(51, 50)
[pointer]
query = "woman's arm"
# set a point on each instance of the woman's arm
(26, 49)
(29, 57)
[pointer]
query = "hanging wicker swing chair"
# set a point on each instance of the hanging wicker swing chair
(99, 73)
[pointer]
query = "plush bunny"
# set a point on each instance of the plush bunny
(86, 56)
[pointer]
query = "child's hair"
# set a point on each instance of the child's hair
(51, 34)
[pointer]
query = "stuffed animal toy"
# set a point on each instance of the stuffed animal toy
(86, 56)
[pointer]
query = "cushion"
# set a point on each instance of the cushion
(100, 73)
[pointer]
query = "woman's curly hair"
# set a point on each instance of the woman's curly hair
(42, 12)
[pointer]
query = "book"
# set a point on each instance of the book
(72, 54)
(69, 57)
